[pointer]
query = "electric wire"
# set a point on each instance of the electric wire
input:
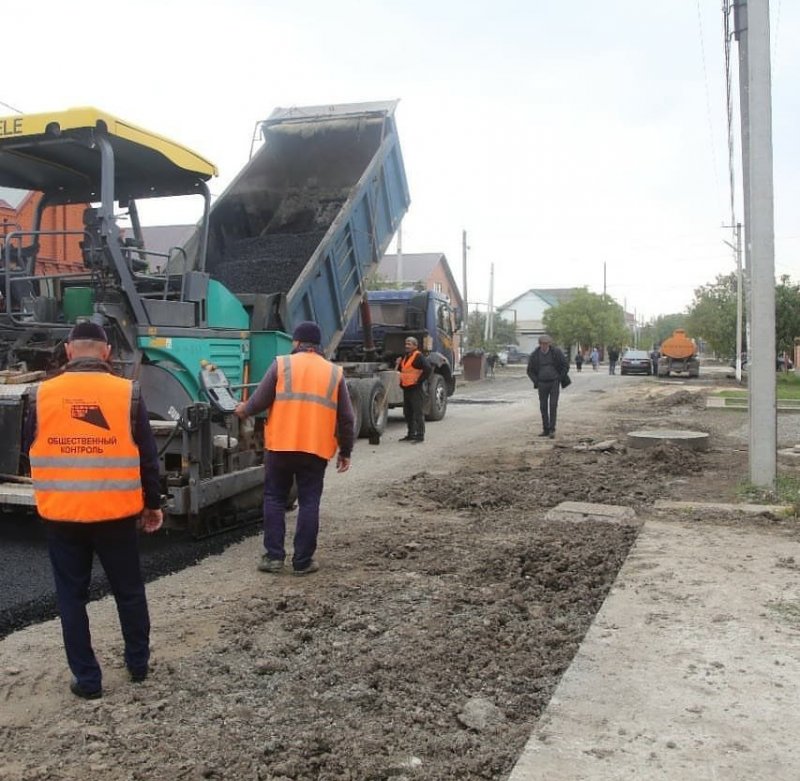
(708, 98)
(9, 107)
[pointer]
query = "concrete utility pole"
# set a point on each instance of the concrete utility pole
(464, 248)
(737, 248)
(399, 274)
(753, 30)
(489, 330)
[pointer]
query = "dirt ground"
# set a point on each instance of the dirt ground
(445, 612)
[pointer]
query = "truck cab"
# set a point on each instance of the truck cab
(378, 332)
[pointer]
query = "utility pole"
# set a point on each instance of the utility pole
(753, 29)
(399, 274)
(489, 330)
(737, 248)
(464, 248)
(604, 280)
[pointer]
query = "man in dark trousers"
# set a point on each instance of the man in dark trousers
(548, 370)
(309, 410)
(94, 465)
(414, 370)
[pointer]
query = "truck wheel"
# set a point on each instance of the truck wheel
(355, 402)
(436, 403)
(374, 411)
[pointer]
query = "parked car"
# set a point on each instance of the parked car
(513, 355)
(781, 364)
(636, 362)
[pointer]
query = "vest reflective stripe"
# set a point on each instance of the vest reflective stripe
(84, 463)
(79, 485)
(408, 374)
(303, 416)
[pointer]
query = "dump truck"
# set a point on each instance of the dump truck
(678, 355)
(294, 237)
(376, 336)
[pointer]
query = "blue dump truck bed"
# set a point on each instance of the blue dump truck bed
(308, 218)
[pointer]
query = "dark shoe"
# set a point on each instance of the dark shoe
(406, 438)
(84, 694)
(312, 566)
(417, 440)
(137, 676)
(545, 433)
(273, 566)
(552, 434)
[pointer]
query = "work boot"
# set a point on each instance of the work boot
(273, 566)
(544, 433)
(552, 433)
(84, 694)
(312, 566)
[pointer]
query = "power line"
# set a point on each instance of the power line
(11, 108)
(708, 97)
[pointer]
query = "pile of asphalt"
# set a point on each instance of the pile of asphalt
(266, 264)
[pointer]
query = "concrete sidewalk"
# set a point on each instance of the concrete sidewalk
(691, 669)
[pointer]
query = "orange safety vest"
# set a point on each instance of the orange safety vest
(84, 462)
(303, 416)
(408, 374)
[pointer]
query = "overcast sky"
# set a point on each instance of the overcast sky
(562, 136)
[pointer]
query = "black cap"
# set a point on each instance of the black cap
(307, 332)
(88, 331)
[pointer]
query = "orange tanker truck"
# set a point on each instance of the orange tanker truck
(678, 355)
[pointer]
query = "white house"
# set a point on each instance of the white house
(526, 312)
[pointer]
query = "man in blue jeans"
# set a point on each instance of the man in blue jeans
(310, 415)
(94, 465)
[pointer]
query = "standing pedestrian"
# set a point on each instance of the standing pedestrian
(613, 357)
(579, 359)
(548, 370)
(654, 356)
(414, 370)
(309, 410)
(594, 358)
(94, 467)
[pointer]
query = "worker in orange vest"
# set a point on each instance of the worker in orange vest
(309, 416)
(414, 370)
(94, 466)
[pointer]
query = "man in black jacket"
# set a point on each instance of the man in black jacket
(548, 369)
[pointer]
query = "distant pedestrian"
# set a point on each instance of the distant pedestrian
(548, 370)
(613, 357)
(491, 362)
(414, 370)
(93, 497)
(579, 359)
(654, 356)
(310, 415)
(594, 358)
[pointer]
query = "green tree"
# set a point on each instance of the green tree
(659, 329)
(787, 315)
(504, 333)
(712, 315)
(587, 319)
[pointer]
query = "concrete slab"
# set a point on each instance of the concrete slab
(691, 440)
(691, 669)
(715, 508)
(588, 511)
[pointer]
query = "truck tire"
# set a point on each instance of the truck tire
(436, 401)
(355, 402)
(374, 410)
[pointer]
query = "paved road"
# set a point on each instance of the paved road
(26, 586)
